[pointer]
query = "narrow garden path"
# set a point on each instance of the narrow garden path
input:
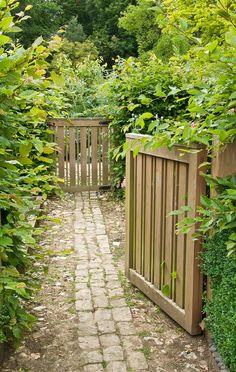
(89, 317)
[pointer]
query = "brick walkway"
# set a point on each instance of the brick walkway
(107, 336)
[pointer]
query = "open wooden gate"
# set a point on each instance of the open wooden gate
(83, 153)
(161, 264)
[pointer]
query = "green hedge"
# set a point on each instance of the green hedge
(221, 309)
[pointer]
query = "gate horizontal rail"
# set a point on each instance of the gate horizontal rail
(160, 263)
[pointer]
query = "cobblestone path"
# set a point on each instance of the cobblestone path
(107, 336)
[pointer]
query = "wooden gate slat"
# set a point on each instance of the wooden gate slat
(72, 156)
(181, 238)
(67, 161)
(105, 155)
(130, 215)
(100, 156)
(88, 159)
(163, 218)
(143, 205)
(158, 225)
(169, 224)
(148, 219)
(94, 156)
(61, 156)
(153, 219)
(134, 206)
(138, 214)
(78, 165)
(83, 155)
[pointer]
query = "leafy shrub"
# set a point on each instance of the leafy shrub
(77, 51)
(216, 213)
(80, 84)
(168, 46)
(29, 93)
(221, 309)
(75, 31)
(135, 92)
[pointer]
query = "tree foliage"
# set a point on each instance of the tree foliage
(98, 20)
(140, 20)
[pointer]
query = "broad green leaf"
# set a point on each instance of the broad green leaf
(212, 46)
(146, 115)
(10, 272)
(230, 37)
(25, 149)
(48, 150)
(45, 160)
(57, 79)
(38, 144)
(4, 40)
(159, 92)
(166, 290)
(25, 161)
(28, 7)
(5, 23)
(37, 42)
(5, 241)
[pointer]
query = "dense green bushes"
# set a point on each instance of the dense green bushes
(79, 81)
(221, 309)
(134, 92)
(28, 94)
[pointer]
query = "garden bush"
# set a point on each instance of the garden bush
(80, 81)
(29, 94)
(221, 309)
(193, 91)
(134, 92)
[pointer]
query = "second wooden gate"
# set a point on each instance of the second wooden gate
(83, 153)
(164, 265)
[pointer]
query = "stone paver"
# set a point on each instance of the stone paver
(106, 335)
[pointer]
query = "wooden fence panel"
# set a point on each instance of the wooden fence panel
(160, 263)
(83, 153)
